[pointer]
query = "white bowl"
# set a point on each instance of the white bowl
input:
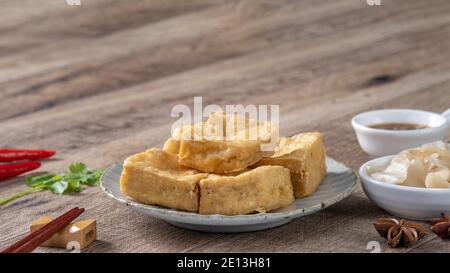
(381, 142)
(403, 201)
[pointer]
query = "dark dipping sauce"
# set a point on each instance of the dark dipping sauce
(399, 126)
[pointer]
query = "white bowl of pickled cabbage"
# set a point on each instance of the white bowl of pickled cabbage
(414, 184)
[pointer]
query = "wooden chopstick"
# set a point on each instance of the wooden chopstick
(22, 241)
(48, 233)
(35, 239)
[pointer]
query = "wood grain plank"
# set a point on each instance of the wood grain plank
(78, 83)
(139, 93)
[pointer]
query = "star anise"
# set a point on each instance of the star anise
(441, 226)
(399, 233)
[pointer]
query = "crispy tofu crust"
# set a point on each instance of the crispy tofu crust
(219, 156)
(224, 144)
(155, 177)
(259, 190)
(304, 155)
(172, 146)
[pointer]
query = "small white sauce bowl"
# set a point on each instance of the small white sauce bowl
(403, 201)
(381, 142)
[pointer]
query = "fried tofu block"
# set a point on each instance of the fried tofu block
(217, 151)
(155, 177)
(304, 155)
(212, 155)
(258, 190)
(219, 156)
(172, 146)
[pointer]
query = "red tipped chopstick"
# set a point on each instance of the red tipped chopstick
(35, 239)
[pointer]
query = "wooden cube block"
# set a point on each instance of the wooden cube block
(83, 232)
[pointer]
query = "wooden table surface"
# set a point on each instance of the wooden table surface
(97, 82)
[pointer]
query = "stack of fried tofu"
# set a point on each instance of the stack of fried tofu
(209, 168)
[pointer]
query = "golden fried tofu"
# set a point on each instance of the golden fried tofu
(172, 146)
(228, 143)
(156, 177)
(304, 155)
(258, 190)
(219, 156)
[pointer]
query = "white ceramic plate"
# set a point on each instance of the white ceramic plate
(402, 201)
(339, 183)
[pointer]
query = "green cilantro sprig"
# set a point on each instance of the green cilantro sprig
(64, 183)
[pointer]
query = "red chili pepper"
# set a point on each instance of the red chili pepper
(14, 169)
(7, 155)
